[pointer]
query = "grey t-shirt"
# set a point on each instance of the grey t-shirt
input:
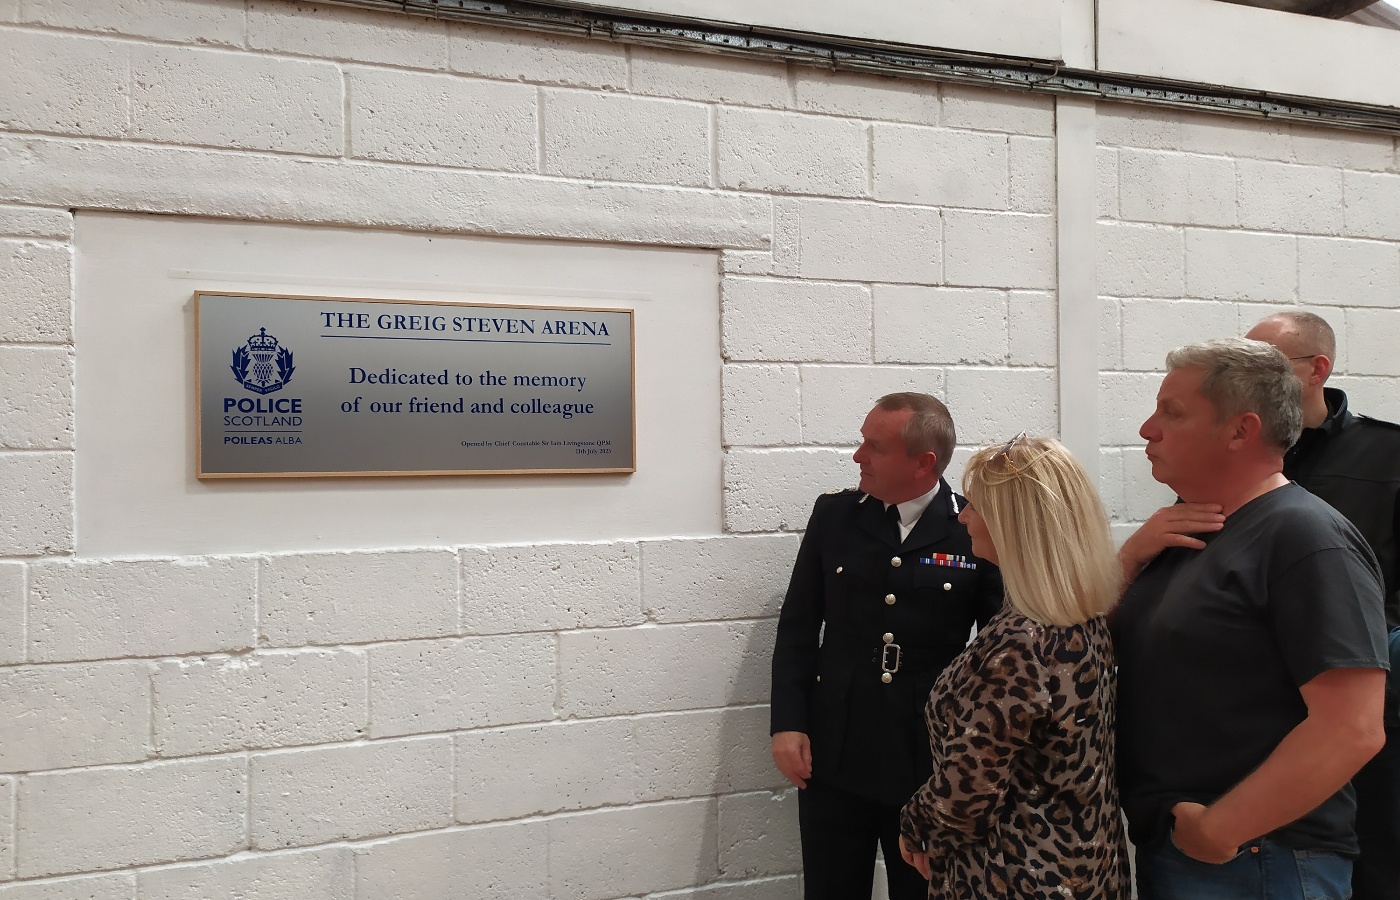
(1213, 645)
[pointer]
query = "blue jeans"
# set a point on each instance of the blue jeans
(1263, 870)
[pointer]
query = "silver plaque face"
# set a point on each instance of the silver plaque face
(316, 386)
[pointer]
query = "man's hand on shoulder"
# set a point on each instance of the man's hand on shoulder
(792, 752)
(1170, 526)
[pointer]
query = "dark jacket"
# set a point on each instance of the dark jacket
(852, 584)
(1353, 462)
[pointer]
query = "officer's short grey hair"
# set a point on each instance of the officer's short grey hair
(930, 428)
(1314, 332)
(1243, 376)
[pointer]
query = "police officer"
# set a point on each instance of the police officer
(884, 593)
(1353, 462)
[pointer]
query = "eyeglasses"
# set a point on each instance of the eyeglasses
(1006, 448)
(1309, 356)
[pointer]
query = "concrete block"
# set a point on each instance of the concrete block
(773, 490)
(940, 167)
(12, 590)
(677, 840)
(562, 766)
(1140, 260)
(36, 282)
(704, 579)
(786, 236)
(1033, 329)
(424, 686)
(761, 405)
(350, 34)
(631, 670)
(1111, 483)
(853, 241)
(1106, 182)
(81, 821)
(300, 797)
(35, 222)
(549, 587)
(9, 10)
(212, 22)
(745, 262)
(984, 109)
(708, 78)
(1238, 265)
(515, 55)
(1374, 396)
(110, 608)
(267, 187)
(7, 831)
(1033, 174)
(1126, 399)
(836, 399)
(1297, 199)
(442, 120)
(37, 516)
(239, 100)
(764, 150)
(758, 834)
(121, 886)
(865, 96)
(978, 401)
(1371, 344)
(696, 754)
(1238, 138)
(779, 320)
(499, 862)
(323, 874)
(1337, 271)
(1343, 148)
(917, 324)
(783, 887)
(985, 249)
(1110, 334)
(615, 137)
(37, 413)
(1143, 494)
(1176, 188)
(1153, 327)
(1129, 125)
(1372, 205)
(266, 699)
(80, 715)
(63, 83)
(334, 598)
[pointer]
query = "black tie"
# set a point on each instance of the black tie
(892, 513)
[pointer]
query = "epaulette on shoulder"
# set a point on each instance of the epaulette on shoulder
(1379, 423)
(849, 490)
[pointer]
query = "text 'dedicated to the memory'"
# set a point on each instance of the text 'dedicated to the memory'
(314, 386)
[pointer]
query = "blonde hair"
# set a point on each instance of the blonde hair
(1049, 528)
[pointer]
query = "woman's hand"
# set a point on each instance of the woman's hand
(914, 857)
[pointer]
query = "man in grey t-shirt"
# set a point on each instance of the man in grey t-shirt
(1251, 647)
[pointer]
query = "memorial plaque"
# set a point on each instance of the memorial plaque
(318, 386)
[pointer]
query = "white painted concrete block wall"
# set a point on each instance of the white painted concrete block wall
(1207, 225)
(567, 720)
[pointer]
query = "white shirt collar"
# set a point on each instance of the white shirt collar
(911, 510)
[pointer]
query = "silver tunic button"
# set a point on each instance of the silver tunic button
(889, 599)
(819, 679)
(896, 562)
(947, 585)
(887, 678)
(889, 638)
(838, 570)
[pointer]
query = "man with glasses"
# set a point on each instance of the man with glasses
(1353, 462)
(884, 593)
(1251, 648)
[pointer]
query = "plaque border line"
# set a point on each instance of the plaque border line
(198, 420)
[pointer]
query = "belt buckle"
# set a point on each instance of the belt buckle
(885, 658)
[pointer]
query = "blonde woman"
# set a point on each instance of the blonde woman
(1023, 801)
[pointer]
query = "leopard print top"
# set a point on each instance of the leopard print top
(1023, 801)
